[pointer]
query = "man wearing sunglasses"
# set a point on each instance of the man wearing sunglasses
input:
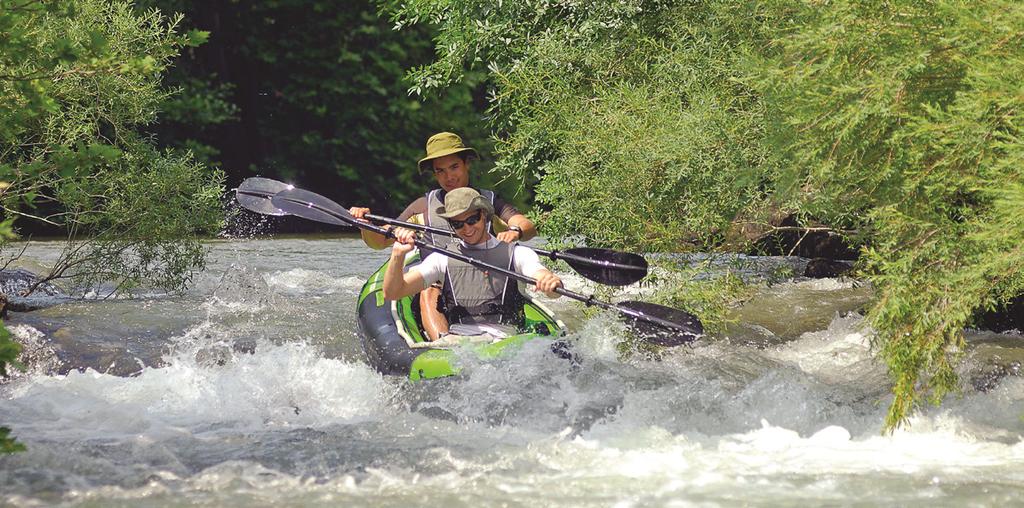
(448, 159)
(475, 302)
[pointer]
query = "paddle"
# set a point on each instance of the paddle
(604, 266)
(255, 193)
(655, 323)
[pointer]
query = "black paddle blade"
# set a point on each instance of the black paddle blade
(605, 266)
(292, 201)
(661, 325)
(254, 194)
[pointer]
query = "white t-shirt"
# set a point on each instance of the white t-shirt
(433, 267)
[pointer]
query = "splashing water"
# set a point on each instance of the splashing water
(252, 390)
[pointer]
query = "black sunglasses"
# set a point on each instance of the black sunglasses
(471, 220)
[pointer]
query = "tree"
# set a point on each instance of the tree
(905, 120)
(78, 79)
(8, 354)
(319, 97)
(629, 113)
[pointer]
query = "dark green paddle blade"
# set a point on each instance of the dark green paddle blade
(293, 201)
(605, 266)
(254, 194)
(662, 325)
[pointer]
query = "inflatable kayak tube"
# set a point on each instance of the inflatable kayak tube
(395, 343)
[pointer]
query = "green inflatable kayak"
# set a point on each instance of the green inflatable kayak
(395, 344)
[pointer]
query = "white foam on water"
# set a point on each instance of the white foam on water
(824, 284)
(840, 353)
(647, 466)
(276, 386)
(215, 306)
(715, 424)
(508, 443)
(302, 281)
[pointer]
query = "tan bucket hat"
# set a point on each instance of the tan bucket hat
(462, 200)
(441, 144)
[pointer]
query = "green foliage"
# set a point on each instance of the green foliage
(200, 102)
(689, 288)
(906, 118)
(629, 113)
(362, 147)
(145, 223)
(655, 125)
(316, 94)
(77, 81)
(9, 351)
(8, 445)
(79, 78)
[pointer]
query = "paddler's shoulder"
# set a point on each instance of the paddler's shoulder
(419, 206)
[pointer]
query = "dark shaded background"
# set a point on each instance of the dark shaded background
(313, 93)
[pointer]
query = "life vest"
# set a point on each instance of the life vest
(471, 295)
(435, 200)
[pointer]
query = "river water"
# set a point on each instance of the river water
(251, 390)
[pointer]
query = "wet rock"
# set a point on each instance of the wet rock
(245, 285)
(821, 268)
(122, 363)
(17, 281)
(224, 352)
(993, 374)
(15, 284)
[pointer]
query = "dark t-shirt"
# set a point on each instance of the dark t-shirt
(501, 208)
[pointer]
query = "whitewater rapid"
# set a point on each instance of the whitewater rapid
(251, 390)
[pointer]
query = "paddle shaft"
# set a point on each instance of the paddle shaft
(552, 254)
(316, 207)
(588, 300)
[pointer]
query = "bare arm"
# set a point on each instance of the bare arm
(374, 240)
(509, 236)
(511, 217)
(520, 220)
(371, 239)
(398, 283)
(412, 213)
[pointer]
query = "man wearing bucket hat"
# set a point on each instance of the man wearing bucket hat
(448, 158)
(475, 302)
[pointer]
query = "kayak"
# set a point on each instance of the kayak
(395, 344)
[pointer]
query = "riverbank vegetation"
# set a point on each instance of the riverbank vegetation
(668, 125)
(80, 81)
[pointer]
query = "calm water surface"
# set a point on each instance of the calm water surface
(251, 390)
